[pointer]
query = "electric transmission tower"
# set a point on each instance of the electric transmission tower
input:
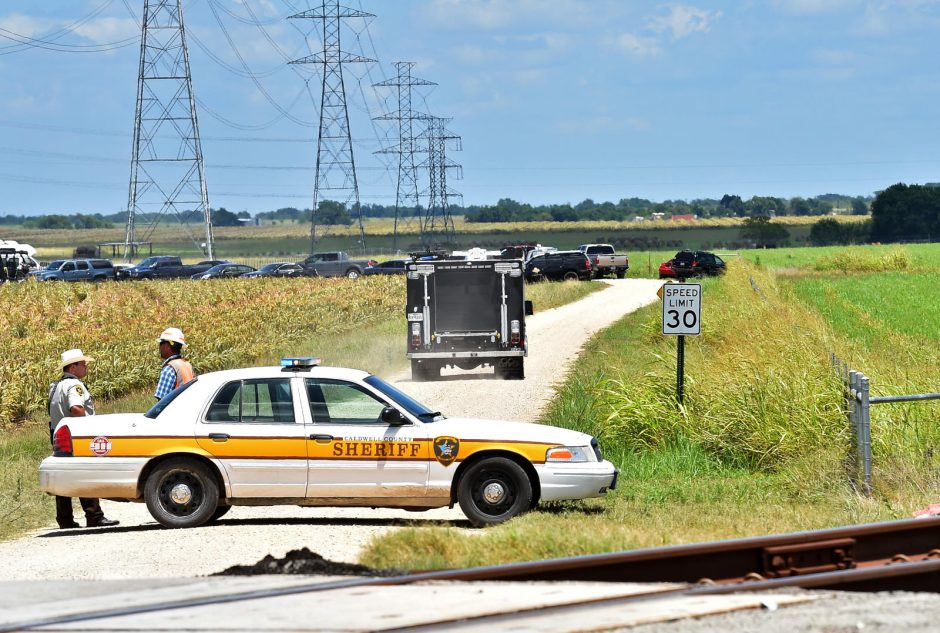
(407, 202)
(167, 171)
(336, 165)
(437, 221)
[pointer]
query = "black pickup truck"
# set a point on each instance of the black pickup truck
(165, 267)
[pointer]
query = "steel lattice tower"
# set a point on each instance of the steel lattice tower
(437, 221)
(407, 202)
(336, 165)
(167, 171)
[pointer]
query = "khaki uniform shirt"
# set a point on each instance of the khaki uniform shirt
(65, 394)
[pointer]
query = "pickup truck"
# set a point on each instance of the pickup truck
(334, 264)
(78, 270)
(166, 267)
(605, 261)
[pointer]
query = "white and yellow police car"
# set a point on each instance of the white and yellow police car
(307, 435)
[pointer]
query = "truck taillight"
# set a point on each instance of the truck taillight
(587, 263)
(62, 442)
(514, 333)
(415, 334)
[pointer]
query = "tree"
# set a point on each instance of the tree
(332, 212)
(224, 217)
(764, 233)
(733, 205)
(859, 207)
(903, 212)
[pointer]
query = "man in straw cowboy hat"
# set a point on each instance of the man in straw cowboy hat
(176, 370)
(69, 398)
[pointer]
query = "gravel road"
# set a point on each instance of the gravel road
(139, 548)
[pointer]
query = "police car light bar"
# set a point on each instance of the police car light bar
(300, 362)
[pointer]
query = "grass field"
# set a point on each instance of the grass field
(761, 446)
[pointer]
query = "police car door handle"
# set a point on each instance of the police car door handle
(321, 437)
(219, 437)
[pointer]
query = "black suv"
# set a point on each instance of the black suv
(566, 265)
(697, 264)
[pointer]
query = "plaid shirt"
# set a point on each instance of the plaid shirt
(167, 381)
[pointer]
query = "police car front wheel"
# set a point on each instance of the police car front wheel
(494, 490)
(181, 493)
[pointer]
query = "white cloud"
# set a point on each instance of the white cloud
(682, 21)
(500, 14)
(814, 7)
(678, 22)
(26, 25)
(103, 30)
(635, 45)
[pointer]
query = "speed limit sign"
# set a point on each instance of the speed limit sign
(682, 309)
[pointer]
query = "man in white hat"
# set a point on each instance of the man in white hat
(69, 398)
(176, 370)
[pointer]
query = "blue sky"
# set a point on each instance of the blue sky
(555, 100)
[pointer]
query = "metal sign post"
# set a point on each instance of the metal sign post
(682, 311)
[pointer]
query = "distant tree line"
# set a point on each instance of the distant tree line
(508, 210)
(899, 213)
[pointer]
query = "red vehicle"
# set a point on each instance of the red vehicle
(666, 271)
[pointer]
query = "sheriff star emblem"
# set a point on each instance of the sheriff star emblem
(445, 449)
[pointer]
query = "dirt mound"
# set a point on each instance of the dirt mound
(304, 562)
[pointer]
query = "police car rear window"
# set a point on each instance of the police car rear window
(158, 408)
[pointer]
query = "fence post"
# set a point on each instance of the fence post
(850, 395)
(866, 431)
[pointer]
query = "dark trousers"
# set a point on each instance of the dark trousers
(63, 510)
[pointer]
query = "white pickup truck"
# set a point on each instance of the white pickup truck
(605, 261)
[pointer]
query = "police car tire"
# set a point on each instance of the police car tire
(220, 511)
(505, 474)
(197, 477)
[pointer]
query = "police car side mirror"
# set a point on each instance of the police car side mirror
(529, 310)
(392, 417)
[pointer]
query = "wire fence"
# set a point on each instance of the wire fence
(858, 399)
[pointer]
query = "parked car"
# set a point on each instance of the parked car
(278, 269)
(334, 264)
(697, 264)
(224, 271)
(79, 270)
(306, 435)
(560, 265)
(167, 267)
(666, 271)
(605, 260)
(390, 267)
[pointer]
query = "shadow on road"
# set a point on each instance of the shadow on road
(273, 521)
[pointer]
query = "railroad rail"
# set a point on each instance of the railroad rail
(897, 555)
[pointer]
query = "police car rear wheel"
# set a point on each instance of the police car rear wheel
(181, 493)
(494, 490)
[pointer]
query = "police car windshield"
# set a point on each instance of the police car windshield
(158, 408)
(411, 405)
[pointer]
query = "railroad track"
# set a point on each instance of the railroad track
(900, 555)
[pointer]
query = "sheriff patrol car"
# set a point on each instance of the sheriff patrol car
(306, 435)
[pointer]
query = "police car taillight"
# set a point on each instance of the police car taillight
(299, 363)
(62, 442)
(514, 332)
(415, 334)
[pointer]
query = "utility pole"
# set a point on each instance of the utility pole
(437, 221)
(336, 165)
(167, 170)
(407, 202)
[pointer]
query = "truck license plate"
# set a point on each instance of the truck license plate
(415, 316)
